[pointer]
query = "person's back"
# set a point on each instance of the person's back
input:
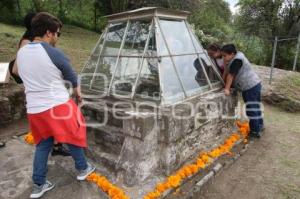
(43, 80)
(52, 115)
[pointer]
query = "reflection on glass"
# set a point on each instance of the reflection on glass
(170, 85)
(114, 38)
(199, 48)
(106, 68)
(177, 37)
(191, 73)
(148, 83)
(125, 75)
(128, 67)
(89, 69)
(209, 69)
(136, 38)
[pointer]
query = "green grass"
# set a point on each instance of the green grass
(290, 86)
(77, 43)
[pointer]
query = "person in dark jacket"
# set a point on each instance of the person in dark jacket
(25, 39)
(244, 79)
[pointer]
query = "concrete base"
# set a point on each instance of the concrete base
(136, 144)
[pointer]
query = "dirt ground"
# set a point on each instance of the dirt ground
(270, 169)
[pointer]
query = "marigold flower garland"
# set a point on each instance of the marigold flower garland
(29, 138)
(173, 181)
(204, 160)
(113, 191)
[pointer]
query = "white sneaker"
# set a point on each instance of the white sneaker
(83, 174)
(38, 191)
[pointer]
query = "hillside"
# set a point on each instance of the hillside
(76, 42)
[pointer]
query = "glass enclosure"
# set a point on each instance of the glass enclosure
(151, 58)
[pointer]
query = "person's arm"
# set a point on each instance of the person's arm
(15, 69)
(225, 73)
(229, 80)
(234, 69)
(63, 64)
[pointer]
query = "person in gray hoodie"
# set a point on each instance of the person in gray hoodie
(244, 79)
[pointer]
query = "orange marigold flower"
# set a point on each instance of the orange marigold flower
(161, 187)
(215, 153)
(187, 171)
(113, 191)
(181, 173)
(154, 194)
(206, 159)
(194, 168)
(93, 177)
(29, 139)
(174, 180)
(200, 163)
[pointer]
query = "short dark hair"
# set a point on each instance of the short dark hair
(229, 49)
(214, 47)
(44, 21)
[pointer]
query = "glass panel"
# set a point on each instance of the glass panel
(148, 83)
(114, 38)
(125, 76)
(128, 67)
(106, 67)
(104, 73)
(191, 74)
(170, 85)
(136, 38)
(177, 37)
(198, 46)
(209, 69)
(89, 69)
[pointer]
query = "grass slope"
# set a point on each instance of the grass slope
(76, 42)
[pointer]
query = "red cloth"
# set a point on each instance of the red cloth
(64, 122)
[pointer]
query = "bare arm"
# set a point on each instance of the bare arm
(15, 69)
(229, 80)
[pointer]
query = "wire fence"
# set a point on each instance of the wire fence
(275, 46)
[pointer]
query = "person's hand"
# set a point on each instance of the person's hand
(78, 98)
(227, 92)
(77, 94)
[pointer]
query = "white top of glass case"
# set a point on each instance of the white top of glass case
(148, 12)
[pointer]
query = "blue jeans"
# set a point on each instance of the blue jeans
(252, 99)
(41, 159)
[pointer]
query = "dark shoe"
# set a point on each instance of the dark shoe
(59, 149)
(255, 135)
(39, 191)
(2, 144)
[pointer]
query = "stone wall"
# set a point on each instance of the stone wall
(12, 103)
(145, 142)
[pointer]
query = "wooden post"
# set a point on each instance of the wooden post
(296, 54)
(273, 58)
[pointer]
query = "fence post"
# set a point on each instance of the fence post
(273, 58)
(297, 53)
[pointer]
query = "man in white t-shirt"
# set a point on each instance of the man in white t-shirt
(52, 114)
